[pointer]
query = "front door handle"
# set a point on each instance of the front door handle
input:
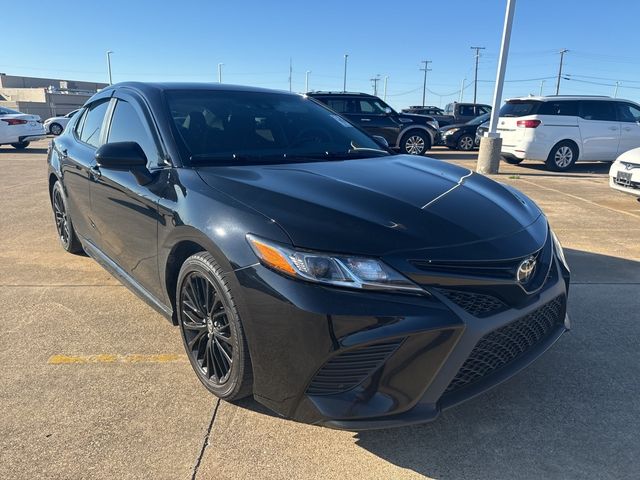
(613, 128)
(95, 172)
(627, 129)
(365, 119)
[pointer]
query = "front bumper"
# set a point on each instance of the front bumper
(626, 180)
(362, 360)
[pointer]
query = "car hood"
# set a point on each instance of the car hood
(377, 206)
(456, 125)
(414, 117)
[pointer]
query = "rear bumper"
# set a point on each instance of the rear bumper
(31, 138)
(316, 351)
(529, 150)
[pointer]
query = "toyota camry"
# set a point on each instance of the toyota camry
(303, 262)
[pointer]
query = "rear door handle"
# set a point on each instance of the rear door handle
(613, 128)
(627, 129)
(365, 119)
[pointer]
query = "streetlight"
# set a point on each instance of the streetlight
(220, 72)
(344, 81)
(386, 79)
(306, 81)
(109, 52)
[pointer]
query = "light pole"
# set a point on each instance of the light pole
(344, 80)
(109, 52)
(491, 143)
(386, 79)
(615, 92)
(464, 80)
(541, 87)
(220, 72)
(306, 81)
(562, 52)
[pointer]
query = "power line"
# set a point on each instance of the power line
(424, 84)
(562, 52)
(475, 78)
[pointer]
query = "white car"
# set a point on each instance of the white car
(55, 125)
(624, 174)
(561, 130)
(18, 129)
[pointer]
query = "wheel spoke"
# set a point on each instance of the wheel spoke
(197, 338)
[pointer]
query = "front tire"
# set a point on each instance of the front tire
(466, 143)
(415, 143)
(66, 234)
(211, 329)
(562, 157)
(55, 129)
(20, 145)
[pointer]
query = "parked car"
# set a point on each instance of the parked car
(624, 174)
(481, 130)
(462, 136)
(19, 129)
(426, 110)
(561, 130)
(455, 113)
(411, 134)
(55, 125)
(338, 283)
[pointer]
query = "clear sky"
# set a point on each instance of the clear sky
(184, 40)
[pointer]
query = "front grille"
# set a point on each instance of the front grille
(477, 304)
(499, 348)
(349, 369)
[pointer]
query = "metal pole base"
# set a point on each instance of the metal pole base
(489, 155)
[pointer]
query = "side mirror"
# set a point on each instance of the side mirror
(124, 156)
(388, 111)
(381, 141)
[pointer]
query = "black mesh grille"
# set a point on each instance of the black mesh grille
(349, 369)
(476, 304)
(500, 347)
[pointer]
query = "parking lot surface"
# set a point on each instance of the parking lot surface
(94, 384)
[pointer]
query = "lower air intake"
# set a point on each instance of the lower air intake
(349, 369)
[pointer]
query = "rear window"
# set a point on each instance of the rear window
(567, 108)
(519, 108)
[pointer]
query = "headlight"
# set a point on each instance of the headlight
(337, 270)
(450, 131)
(559, 250)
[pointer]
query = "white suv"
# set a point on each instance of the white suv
(560, 130)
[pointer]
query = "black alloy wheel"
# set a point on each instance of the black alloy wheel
(64, 227)
(211, 330)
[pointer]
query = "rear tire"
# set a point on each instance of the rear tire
(415, 142)
(20, 145)
(513, 160)
(66, 234)
(211, 328)
(562, 156)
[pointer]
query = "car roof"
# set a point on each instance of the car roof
(552, 98)
(148, 87)
(350, 94)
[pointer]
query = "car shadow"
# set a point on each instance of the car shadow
(30, 151)
(582, 169)
(573, 414)
(452, 155)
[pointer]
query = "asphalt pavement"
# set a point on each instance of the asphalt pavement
(95, 384)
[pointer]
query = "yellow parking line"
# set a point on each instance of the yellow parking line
(116, 358)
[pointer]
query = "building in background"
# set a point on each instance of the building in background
(47, 97)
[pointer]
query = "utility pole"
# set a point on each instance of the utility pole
(220, 72)
(475, 78)
(615, 92)
(562, 52)
(306, 81)
(290, 71)
(424, 83)
(109, 52)
(344, 81)
(374, 82)
(386, 79)
(464, 80)
(541, 87)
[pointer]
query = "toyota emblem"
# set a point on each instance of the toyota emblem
(526, 269)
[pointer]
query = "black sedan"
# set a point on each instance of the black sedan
(462, 136)
(335, 282)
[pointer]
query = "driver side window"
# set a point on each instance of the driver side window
(127, 126)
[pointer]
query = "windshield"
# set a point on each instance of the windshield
(519, 108)
(236, 127)
(479, 120)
